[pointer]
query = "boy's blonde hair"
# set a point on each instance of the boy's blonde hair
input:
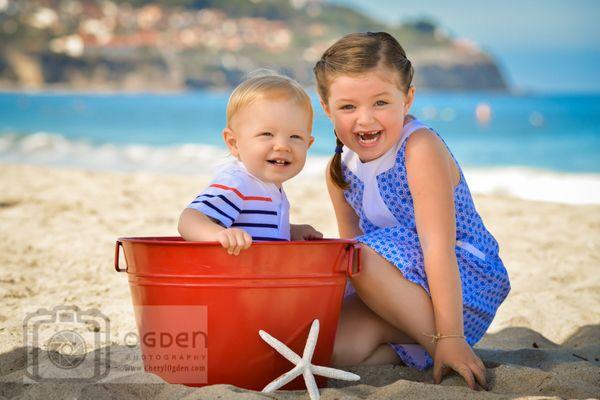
(272, 87)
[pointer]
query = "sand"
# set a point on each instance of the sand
(58, 229)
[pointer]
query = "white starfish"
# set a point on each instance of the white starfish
(303, 365)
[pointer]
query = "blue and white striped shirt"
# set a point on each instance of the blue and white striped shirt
(235, 198)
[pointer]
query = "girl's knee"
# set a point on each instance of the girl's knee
(369, 259)
(367, 254)
(375, 272)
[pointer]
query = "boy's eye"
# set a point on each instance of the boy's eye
(381, 103)
(296, 137)
(266, 134)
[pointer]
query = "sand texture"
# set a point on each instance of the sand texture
(58, 230)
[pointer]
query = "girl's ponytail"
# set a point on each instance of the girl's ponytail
(335, 167)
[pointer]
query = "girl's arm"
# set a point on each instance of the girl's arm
(431, 185)
(432, 176)
(347, 219)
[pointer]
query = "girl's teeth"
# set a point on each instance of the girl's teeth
(368, 137)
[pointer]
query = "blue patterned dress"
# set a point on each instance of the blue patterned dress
(380, 196)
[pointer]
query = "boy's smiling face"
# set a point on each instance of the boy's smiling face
(271, 138)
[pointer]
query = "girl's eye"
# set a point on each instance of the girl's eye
(381, 103)
(347, 107)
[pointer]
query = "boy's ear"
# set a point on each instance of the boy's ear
(325, 108)
(311, 140)
(231, 141)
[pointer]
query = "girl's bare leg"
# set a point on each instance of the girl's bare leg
(362, 336)
(401, 311)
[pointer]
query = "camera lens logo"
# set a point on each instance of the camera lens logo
(66, 344)
(66, 349)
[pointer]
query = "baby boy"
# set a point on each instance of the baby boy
(269, 121)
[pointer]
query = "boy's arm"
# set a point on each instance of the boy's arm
(304, 232)
(197, 227)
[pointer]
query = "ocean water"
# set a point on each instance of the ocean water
(532, 146)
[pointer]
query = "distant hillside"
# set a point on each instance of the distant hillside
(179, 44)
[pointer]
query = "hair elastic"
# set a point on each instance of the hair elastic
(339, 149)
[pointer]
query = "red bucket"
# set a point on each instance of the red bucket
(198, 309)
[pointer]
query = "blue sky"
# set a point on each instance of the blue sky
(542, 45)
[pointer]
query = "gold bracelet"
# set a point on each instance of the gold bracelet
(438, 336)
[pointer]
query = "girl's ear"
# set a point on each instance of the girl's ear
(409, 98)
(231, 141)
(325, 108)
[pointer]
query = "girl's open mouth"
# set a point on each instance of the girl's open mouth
(368, 138)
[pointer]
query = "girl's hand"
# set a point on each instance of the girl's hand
(455, 353)
(234, 240)
(304, 232)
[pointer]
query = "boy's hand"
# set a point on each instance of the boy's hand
(234, 240)
(304, 232)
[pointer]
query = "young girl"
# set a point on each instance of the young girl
(432, 279)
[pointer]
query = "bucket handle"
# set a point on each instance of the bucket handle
(118, 246)
(354, 254)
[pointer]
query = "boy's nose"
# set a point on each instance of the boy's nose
(281, 145)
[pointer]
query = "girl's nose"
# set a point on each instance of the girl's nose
(365, 116)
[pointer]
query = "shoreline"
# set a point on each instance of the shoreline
(199, 162)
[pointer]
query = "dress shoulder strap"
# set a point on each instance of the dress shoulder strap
(410, 128)
(415, 125)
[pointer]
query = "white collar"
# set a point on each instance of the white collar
(271, 188)
(366, 171)
(373, 205)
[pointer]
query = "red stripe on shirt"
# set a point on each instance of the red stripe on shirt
(234, 190)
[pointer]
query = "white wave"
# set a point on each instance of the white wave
(534, 184)
(44, 148)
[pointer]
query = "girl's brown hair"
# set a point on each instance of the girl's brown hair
(356, 54)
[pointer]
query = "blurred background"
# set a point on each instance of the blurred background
(136, 85)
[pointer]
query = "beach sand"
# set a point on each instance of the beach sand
(58, 230)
